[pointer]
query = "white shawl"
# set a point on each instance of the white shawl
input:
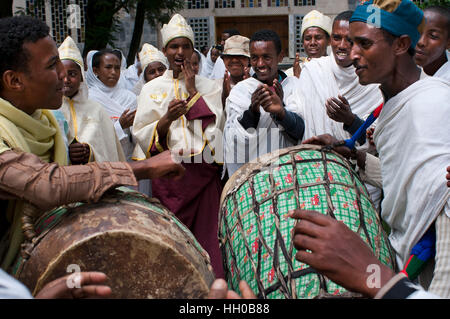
(242, 146)
(321, 79)
(413, 140)
(218, 70)
(115, 101)
(444, 71)
(207, 66)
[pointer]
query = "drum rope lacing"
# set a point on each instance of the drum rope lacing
(285, 283)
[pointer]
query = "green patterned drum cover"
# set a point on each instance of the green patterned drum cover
(255, 230)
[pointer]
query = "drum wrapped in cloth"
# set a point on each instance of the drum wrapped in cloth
(145, 251)
(255, 230)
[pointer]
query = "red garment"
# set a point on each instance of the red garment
(195, 198)
(195, 201)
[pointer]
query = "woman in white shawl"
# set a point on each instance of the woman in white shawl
(102, 77)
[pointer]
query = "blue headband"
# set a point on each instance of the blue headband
(404, 20)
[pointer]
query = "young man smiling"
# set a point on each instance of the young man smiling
(262, 113)
(432, 49)
(32, 153)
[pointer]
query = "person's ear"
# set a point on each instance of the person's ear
(401, 45)
(448, 42)
(13, 80)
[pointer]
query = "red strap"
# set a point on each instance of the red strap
(378, 110)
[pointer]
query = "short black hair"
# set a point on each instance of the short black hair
(97, 56)
(231, 32)
(344, 16)
(14, 33)
(267, 35)
(443, 11)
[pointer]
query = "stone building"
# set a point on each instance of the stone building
(67, 17)
(208, 18)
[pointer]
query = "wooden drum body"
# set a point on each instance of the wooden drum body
(145, 251)
(255, 230)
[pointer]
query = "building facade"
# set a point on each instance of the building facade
(210, 17)
(67, 17)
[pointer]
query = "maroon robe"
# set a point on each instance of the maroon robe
(195, 198)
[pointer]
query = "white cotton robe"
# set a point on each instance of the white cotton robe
(413, 141)
(241, 145)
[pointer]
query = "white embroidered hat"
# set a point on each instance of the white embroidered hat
(176, 28)
(149, 54)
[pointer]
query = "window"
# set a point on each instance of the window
(197, 4)
(65, 15)
(298, 19)
(224, 4)
(200, 26)
(277, 3)
(301, 3)
(250, 3)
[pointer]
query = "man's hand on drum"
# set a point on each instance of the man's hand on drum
(91, 285)
(163, 165)
(328, 140)
(335, 251)
(219, 290)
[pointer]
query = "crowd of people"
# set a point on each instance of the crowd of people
(72, 127)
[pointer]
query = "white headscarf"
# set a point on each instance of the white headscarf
(201, 62)
(115, 100)
(208, 66)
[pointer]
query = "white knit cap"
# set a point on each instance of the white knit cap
(316, 19)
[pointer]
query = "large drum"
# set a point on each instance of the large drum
(255, 230)
(145, 251)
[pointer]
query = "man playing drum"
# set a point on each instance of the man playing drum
(32, 153)
(413, 148)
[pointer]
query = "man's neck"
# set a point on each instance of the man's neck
(434, 66)
(16, 102)
(405, 74)
(236, 79)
